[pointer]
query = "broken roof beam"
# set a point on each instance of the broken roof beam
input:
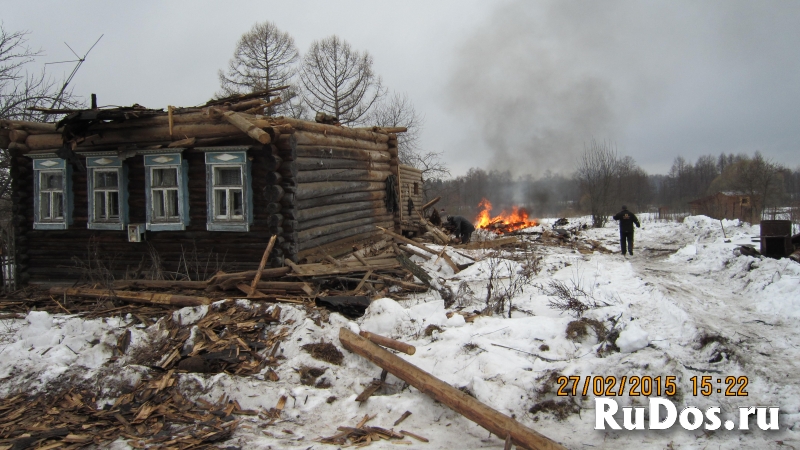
(240, 121)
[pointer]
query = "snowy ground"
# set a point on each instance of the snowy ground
(684, 305)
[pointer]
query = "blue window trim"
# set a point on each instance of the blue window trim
(51, 163)
(107, 162)
(168, 160)
(229, 157)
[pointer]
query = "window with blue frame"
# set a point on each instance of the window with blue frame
(167, 187)
(229, 192)
(107, 184)
(52, 201)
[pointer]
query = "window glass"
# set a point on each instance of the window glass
(104, 180)
(227, 176)
(165, 178)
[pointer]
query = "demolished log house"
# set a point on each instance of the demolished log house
(207, 186)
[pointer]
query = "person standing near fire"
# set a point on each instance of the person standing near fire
(626, 221)
(461, 227)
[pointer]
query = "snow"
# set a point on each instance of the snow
(684, 305)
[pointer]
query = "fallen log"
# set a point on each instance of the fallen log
(136, 297)
(489, 244)
(389, 342)
(247, 275)
(430, 203)
(474, 410)
(405, 240)
(163, 284)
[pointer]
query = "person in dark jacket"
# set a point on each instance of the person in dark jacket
(461, 227)
(626, 221)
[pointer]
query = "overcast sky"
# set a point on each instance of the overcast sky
(513, 84)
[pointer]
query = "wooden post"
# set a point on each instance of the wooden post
(261, 265)
(474, 410)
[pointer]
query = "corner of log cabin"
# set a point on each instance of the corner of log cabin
(319, 188)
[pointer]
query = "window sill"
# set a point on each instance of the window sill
(49, 226)
(227, 226)
(166, 227)
(105, 226)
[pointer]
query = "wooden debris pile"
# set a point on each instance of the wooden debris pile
(154, 415)
(362, 435)
(229, 338)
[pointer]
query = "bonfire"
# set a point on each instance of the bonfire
(506, 222)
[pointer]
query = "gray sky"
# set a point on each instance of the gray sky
(513, 84)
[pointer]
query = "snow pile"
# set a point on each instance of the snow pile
(632, 338)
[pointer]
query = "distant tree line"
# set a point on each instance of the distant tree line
(603, 181)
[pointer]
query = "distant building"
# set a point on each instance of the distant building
(724, 205)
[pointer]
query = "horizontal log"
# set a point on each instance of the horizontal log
(136, 297)
(248, 275)
(307, 138)
(343, 217)
(29, 127)
(327, 239)
(333, 152)
(137, 135)
(340, 198)
(330, 210)
(312, 190)
(339, 225)
(490, 419)
(313, 176)
(162, 284)
(323, 163)
(333, 130)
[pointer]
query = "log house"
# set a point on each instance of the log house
(197, 186)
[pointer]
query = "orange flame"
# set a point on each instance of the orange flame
(505, 222)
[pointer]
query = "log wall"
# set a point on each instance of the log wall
(315, 186)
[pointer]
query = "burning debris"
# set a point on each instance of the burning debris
(517, 219)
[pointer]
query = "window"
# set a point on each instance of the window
(107, 187)
(52, 198)
(167, 192)
(229, 191)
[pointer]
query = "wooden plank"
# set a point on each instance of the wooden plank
(490, 419)
(263, 263)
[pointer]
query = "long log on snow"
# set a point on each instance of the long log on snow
(314, 176)
(323, 163)
(306, 138)
(322, 189)
(340, 198)
(495, 422)
(332, 152)
(136, 297)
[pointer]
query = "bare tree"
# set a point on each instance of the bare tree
(596, 173)
(339, 80)
(762, 180)
(21, 90)
(264, 58)
(398, 111)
